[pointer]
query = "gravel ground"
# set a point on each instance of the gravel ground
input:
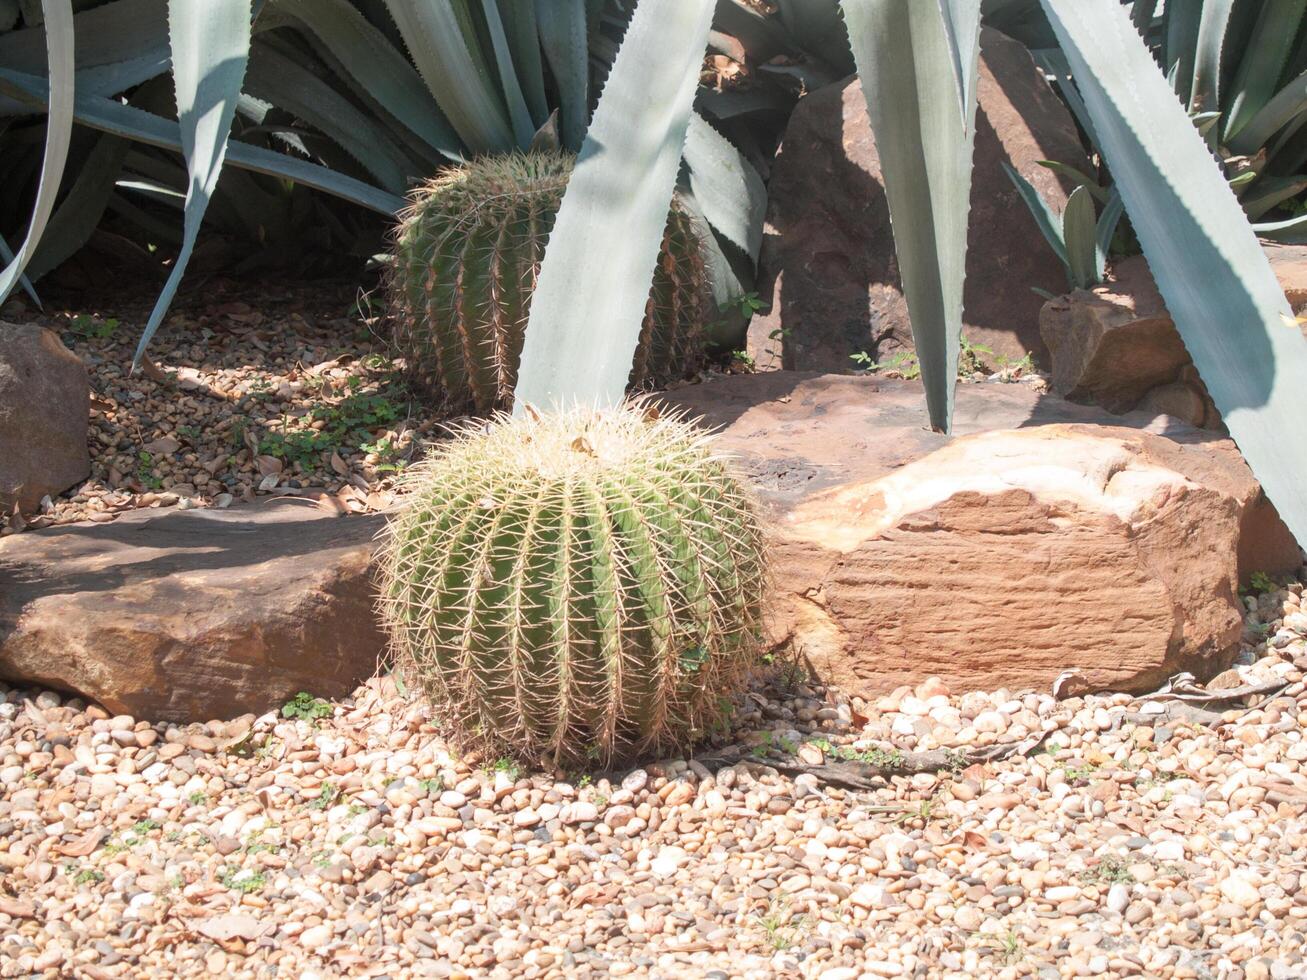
(347, 841)
(287, 389)
(289, 392)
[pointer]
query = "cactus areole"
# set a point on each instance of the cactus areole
(577, 588)
(466, 256)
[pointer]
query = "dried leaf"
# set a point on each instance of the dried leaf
(269, 465)
(582, 444)
(224, 928)
(85, 844)
(338, 464)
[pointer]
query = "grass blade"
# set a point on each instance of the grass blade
(598, 268)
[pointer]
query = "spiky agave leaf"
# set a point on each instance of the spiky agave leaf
(575, 587)
(467, 254)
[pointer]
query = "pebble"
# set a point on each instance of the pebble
(363, 845)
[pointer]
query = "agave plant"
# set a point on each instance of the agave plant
(1079, 240)
(359, 99)
(918, 64)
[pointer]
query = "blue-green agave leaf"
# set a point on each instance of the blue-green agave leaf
(112, 116)
(366, 54)
(1283, 108)
(1079, 178)
(1268, 51)
(518, 113)
(727, 187)
(58, 134)
(1046, 219)
(908, 69)
(7, 255)
(210, 45)
(436, 35)
(563, 34)
(1205, 93)
(1106, 231)
(1079, 232)
(519, 21)
(1209, 267)
(78, 214)
(598, 268)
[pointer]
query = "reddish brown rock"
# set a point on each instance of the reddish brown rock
(45, 402)
(1116, 345)
(828, 265)
(192, 615)
(1033, 542)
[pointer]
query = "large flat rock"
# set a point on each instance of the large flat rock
(1043, 536)
(191, 615)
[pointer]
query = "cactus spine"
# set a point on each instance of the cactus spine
(466, 257)
(575, 588)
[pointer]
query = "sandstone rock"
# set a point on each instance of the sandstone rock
(1116, 345)
(1036, 540)
(192, 615)
(828, 265)
(44, 407)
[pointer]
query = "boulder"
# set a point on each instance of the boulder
(828, 266)
(45, 402)
(1116, 346)
(191, 615)
(1038, 539)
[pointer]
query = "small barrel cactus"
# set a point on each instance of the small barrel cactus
(575, 588)
(466, 256)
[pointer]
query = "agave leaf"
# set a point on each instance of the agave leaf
(908, 65)
(728, 331)
(1291, 231)
(585, 323)
(1052, 62)
(112, 116)
(732, 195)
(1141, 15)
(1259, 71)
(1107, 222)
(279, 79)
(210, 47)
(1079, 232)
(457, 77)
(1270, 191)
(562, 25)
(524, 41)
(961, 20)
(1209, 267)
(1181, 20)
(1283, 108)
(78, 214)
(58, 134)
(518, 113)
(366, 54)
(1047, 220)
(761, 36)
(7, 255)
(1079, 178)
(1205, 93)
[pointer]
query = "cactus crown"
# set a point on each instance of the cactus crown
(576, 587)
(467, 253)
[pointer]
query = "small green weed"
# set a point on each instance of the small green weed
(246, 882)
(508, 767)
(145, 470)
(780, 929)
(93, 328)
(1110, 869)
(1259, 583)
(85, 876)
(305, 707)
(326, 798)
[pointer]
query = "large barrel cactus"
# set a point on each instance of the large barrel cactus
(466, 257)
(574, 588)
